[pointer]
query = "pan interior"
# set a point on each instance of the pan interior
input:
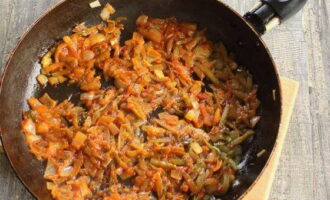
(222, 23)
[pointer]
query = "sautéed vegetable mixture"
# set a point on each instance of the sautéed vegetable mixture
(170, 126)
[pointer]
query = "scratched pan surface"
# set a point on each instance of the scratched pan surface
(222, 23)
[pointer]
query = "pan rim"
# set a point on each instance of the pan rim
(246, 23)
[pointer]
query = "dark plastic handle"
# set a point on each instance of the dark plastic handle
(272, 12)
(285, 8)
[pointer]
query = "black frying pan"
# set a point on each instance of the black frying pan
(242, 39)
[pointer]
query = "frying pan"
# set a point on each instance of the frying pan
(241, 35)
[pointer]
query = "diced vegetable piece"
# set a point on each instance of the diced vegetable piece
(88, 55)
(120, 83)
(113, 196)
(72, 45)
(46, 60)
(81, 185)
(47, 101)
(176, 174)
(162, 164)
(162, 140)
(209, 74)
(159, 185)
(192, 115)
(140, 148)
(151, 34)
(189, 28)
(65, 171)
(200, 181)
(34, 103)
(61, 79)
(107, 11)
(50, 186)
(79, 140)
(254, 121)
(192, 186)
(42, 128)
(53, 67)
(87, 96)
(159, 73)
(224, 185)
(42, 79)
(113, 128)
(217, 166)
(177, 161)
(135, 106)
(32, 138)
(261, 153)
(216, 118)
(50, 170)
(225, 114)
(196, 147)
(29, 126)
(242, 138)
(53, 81)
(120, 162)
(202, 51)
(95, 4)
(94, 39)
(141, 20)
(187, 100)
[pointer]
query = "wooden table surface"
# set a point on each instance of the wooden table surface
(301, 50)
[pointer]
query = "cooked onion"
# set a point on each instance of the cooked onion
(254, 121)
(87, 96)
(107, 11)
(50, 170)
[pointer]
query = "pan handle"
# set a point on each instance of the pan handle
(270, 13)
